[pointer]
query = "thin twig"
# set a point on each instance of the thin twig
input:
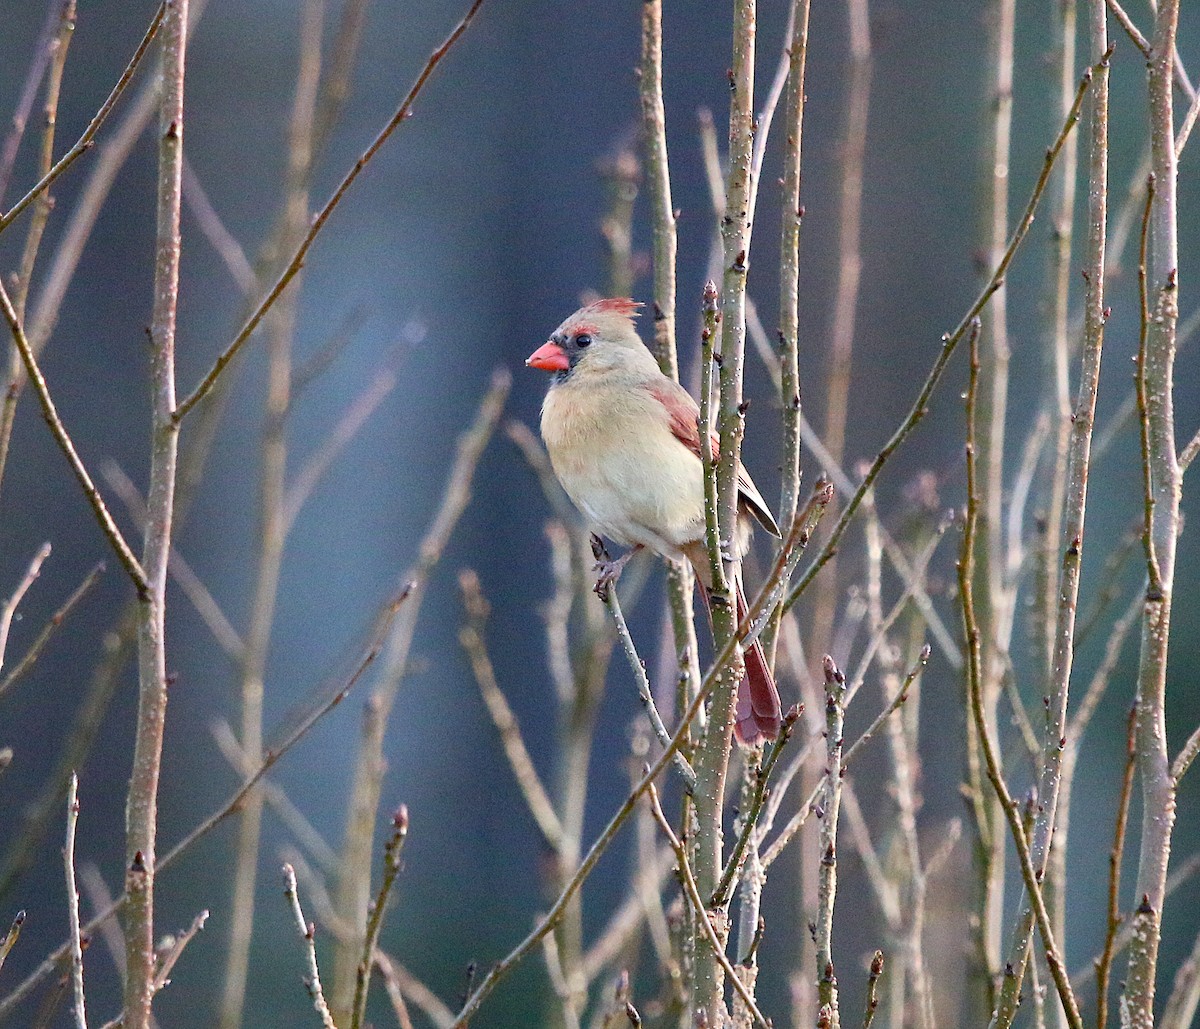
(872, 985)
(312, 981)
(392, 853)
(1187, 754)
(994, 772)
(10, 938)
(1163, 527)
(162, 978)
(828, 812)
(59, 431)
(73, 904)
(471, 637)
(658, 175)
(1113, 921)
(9, 608)
(322, 216)
(85, 141)
(638, 667)
(1131, 30)
(29, 658)
(791, 215)
(141, 808)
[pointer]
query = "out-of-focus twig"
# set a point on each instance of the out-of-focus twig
(42, 50)
(29, 658)
(322, 216)
(9, 608)
(471, 637)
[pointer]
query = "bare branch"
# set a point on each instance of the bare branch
(307, 932)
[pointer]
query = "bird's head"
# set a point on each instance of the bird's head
(597, 338)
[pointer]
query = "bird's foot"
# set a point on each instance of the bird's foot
(608, 569)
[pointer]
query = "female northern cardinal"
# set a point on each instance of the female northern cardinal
(625, 444)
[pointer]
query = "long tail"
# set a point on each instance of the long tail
(758, 715)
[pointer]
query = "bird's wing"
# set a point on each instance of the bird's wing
(684, 418)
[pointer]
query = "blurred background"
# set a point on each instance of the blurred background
(474, 232)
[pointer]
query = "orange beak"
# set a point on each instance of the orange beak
(550, 357)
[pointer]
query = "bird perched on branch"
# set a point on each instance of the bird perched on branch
(624, 440)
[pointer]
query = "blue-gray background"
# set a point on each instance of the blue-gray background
(480, 220)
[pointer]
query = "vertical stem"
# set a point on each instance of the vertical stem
(658, 176)
(712, 755)
(680, 582)
(1162, 528)
(831, 797)
(141, 812)
(989, 559)
(789, 290)
(273, 529)
(852, 146)
(1058, 279)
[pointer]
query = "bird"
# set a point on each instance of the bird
(624, 442)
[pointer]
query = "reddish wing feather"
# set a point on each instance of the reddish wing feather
(684, 414)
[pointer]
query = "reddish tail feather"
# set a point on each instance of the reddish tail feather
(758, 715)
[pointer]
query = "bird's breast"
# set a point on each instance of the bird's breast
(616, 457)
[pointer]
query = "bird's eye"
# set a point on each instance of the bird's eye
(583, 340)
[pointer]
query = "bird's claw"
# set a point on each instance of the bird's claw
(609, 571)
